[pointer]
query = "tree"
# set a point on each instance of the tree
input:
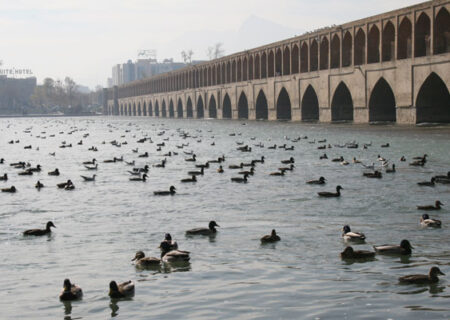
(69, 86)
(187, 56)
(216, 51)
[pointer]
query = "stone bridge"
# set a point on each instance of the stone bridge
(392, 67)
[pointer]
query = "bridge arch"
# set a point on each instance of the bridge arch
(283, 105)
(139, 109)
(310, 105)
(164, 109)
(262, 110)
(271, 64)
(200, 108)
(347, 50)
(134, 109)
(335, 52)
(278, 63)
(189, 110)
(233, 71)
(404, 42)
(388, 46)
(313, 56)
(304, 57)
(242, 107)
(228, 72)
(244, 69)
(342, 104)
(226, 107)
(250, 68)
(422, 36)
(442, 32)
(144, 109)
(295, 59)
(257, 67)
(324, 47)
(432, 103)
(212, 107)
(156, 109)
(373, 45)
(263, 65)
(150, 109)
(382, 103)
(286, 61)
(359, 48)
(223, 74)
(239, 69)
(180, 109)
(171, 109)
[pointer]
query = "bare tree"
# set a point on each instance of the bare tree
(187, 56)
(216, 51)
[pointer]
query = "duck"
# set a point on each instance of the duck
(110, 160)
(143, 261)
(204, 231)
(404, 248)
(431, 277)
(172, 243)
(391, 170)
(160, 165)
(172, 256)
(143, 178)
(290, 160)
(89, 178)
(386, 145)
(54, 172)
(12, 189)
(122, 290)
(427, 183)
(426, 221)
(38, 168)
(220, 169)
(4, 177)
(290, 168)
(69, 187)
(259, 161)
(340, 159)
(196, 173)
(144, 155)
(321, 180)
(193, 159)
(375, 174)
(70, 291)
(402, 158)
(239, 179)
(447, 177)
(248, 172)
(324, 156)
(380, 158)
(39, 185)
(273, 237)
(417, 163)
(349, 235)
(355, 160)
(91, 167)
(25, 173)
(349, 253)
(233, 166)
(93, 161)
(327, 194)
(170, 192)
(272, 147)
(62, 185)
(277, 173)
(437, 206)
(40, 232)
(193, 179)
(423, 158)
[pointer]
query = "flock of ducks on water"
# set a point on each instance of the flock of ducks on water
(169, 248)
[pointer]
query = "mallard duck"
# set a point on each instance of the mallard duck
(290, 160)
(122, 290)
(220, 169)
(427, 183)
(12, 189)
(349, 253)
(349, 235)
(40, 232)
(143, 178)
(426, 221)
(172, 256)
(431, 277)
(404, 248)
(355, 160)
(204, 231)
(273, 237)
(320, 181)
(171, 192)
(143, 261)
(39, 185)
(196, 173)
(4, 177)
(193, 179)
(331, 194)
(437, 206)
(54, 172)
(239, 179)
(70, 291)
(172, 243)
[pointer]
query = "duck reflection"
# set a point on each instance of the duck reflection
(176, 267)
(114, 308)
(67, 309)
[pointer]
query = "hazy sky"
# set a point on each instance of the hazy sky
(83, 39)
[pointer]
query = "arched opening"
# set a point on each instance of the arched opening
(150, 109)
(342, 104)
(382, 103)
(388, 42)
(244, 69)
(242, 107)
(180, 109)
(442, 32)
(283, 106)
(139, 109)
(156, 109)
(360, 48)
(212, 107)
(324, 47)
(373, 45)
(422, 36)
(228, 72)
(271, 62)
(226, 108)
(200, 108)
(257, 73)
(262, 110)
(164, 109)
(278, 63)
(313, 56)
(433, 101)
(347, 50)
(239, 73)
(223, 74)
(404, 37)
(295, 57)
(304, 58)
(335, 52)
(215, 72)
(144, 110)
(263, 66)
(171, 109)
(310, 105)
(250, 68)
(134, 110)
(233, 71)
(209, 79)
(189, 111)
(286, 61)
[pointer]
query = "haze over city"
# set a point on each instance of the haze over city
(83, 39)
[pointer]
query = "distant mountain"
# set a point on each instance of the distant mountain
(253, 32)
